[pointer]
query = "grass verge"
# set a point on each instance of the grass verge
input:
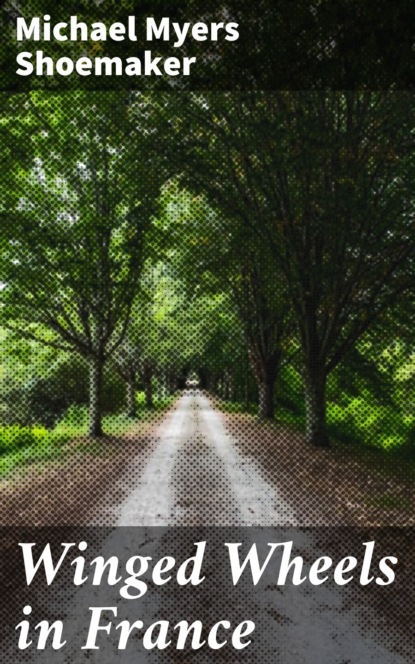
(387, 462)
(20, 446)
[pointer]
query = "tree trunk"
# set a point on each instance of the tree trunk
(315, 401)
(172, 382)
(265, 372)
(211, 383)
(148, 387)
(232, 389)
(266, 389)
(131, 402)
(246, 389)
(221, 385)
(96, 374)
(225, 386)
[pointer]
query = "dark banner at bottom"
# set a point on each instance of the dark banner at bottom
(303, 595)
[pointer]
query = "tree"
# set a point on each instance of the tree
(73, 236)
(219, 255)
(265, 319)
(324, 181)
(126, 362)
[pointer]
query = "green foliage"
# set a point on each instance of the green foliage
(390, 502)
(290, 391)
(323, 182)
(74, 224)
(39, 384)
(21, 445)
(16, 437)
(362, 420)
(229, 235)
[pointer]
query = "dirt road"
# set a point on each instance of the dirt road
(201, 468)
(196, 477)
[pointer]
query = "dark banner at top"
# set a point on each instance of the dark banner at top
(206, 45)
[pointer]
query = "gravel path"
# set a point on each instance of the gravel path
(196, 477)
(195, 470)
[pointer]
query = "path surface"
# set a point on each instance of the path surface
(196, 477)
(192, 472)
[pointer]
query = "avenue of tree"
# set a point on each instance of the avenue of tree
(265, 241)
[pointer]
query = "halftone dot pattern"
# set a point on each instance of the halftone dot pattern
(206, 322)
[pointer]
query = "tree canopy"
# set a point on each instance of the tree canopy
(263, 240)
